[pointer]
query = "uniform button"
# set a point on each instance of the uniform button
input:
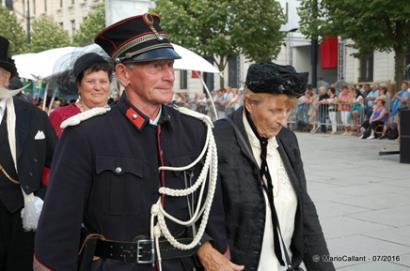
(30, 174)
(35, 160)
(134, 116)
(118, 170)
(27, 187)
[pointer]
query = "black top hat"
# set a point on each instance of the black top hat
(136, 39)
(86, 61)
(272, 78)
(6, 62)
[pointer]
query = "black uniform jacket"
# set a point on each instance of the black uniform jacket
(105, 175)
(245, 205)
(35, 142)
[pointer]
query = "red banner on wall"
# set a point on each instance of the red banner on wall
(328, 53)
(195, 74)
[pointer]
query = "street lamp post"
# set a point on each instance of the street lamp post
(28, 23)
(313, 60)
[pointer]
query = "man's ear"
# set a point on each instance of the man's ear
(248, 105)
(122, 72)
(7, 75)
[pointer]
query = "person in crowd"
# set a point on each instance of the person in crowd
(220, 102)
(261, 172)
(92, 74)
(27, 142)
(323, 108)
(332, 101)
(400, 100)
(109, 169)
(357, 109)
(56, 104)
(378, 117)
(370, 98)
(312, 112)
(345, 100)
(303, 105)
(385, 94)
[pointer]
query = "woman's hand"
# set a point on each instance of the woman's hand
(213, 260)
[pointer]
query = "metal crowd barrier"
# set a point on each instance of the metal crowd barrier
(327, 118)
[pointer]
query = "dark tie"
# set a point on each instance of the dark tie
(264, 172)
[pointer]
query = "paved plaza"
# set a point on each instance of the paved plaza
(363, 200)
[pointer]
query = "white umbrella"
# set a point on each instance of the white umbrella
(54, 61)
(192, 61)
(24, 64)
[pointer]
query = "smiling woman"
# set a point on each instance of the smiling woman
(93, 77)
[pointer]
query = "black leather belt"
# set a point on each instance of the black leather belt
(141, 251)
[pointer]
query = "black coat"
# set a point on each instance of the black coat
(245, 205)
(87, 187)
(32, 154)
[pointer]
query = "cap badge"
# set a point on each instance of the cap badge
(149, 20)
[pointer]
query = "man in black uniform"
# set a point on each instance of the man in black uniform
(26, 147)
(106, 171)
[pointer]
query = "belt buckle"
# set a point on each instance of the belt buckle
(145, 251)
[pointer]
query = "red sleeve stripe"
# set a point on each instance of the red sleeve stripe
(38, 266)
(45, 176)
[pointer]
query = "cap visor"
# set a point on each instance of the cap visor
(157, 54)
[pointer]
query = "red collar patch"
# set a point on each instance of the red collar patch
(135, 118)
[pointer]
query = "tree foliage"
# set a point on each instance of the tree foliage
(372, 24)
(47, 34)
(11, 29)
(91, 25)
(225, 28)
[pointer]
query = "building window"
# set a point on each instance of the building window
(61, 3)
(233, 72)
(287, 12)
(8, 4)
(209, 77)
(366, 68)
(72, 26)
(72, 2)
(45, 6)
(34, 7)
(183, 79)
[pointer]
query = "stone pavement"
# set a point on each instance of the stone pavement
(363, 200)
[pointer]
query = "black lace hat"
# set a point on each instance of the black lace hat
(6, 62)
(268, 77)
(86, 61)
(136, 39)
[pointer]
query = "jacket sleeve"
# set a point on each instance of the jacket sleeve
(314, 241)
(215, 231)
(58, 234)
(51, 144)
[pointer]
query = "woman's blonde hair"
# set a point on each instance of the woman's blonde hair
(254, 97)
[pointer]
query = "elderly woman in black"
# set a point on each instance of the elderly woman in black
(271, 221)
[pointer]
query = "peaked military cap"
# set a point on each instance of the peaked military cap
(272, 78)
(136, 39)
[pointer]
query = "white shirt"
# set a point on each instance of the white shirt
(284, 198)
(154, 122)
(2, 109)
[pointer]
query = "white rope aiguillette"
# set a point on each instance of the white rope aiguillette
(209, 171)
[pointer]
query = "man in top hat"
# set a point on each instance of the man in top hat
(108, 170)
(271, 221)
(26, 147)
